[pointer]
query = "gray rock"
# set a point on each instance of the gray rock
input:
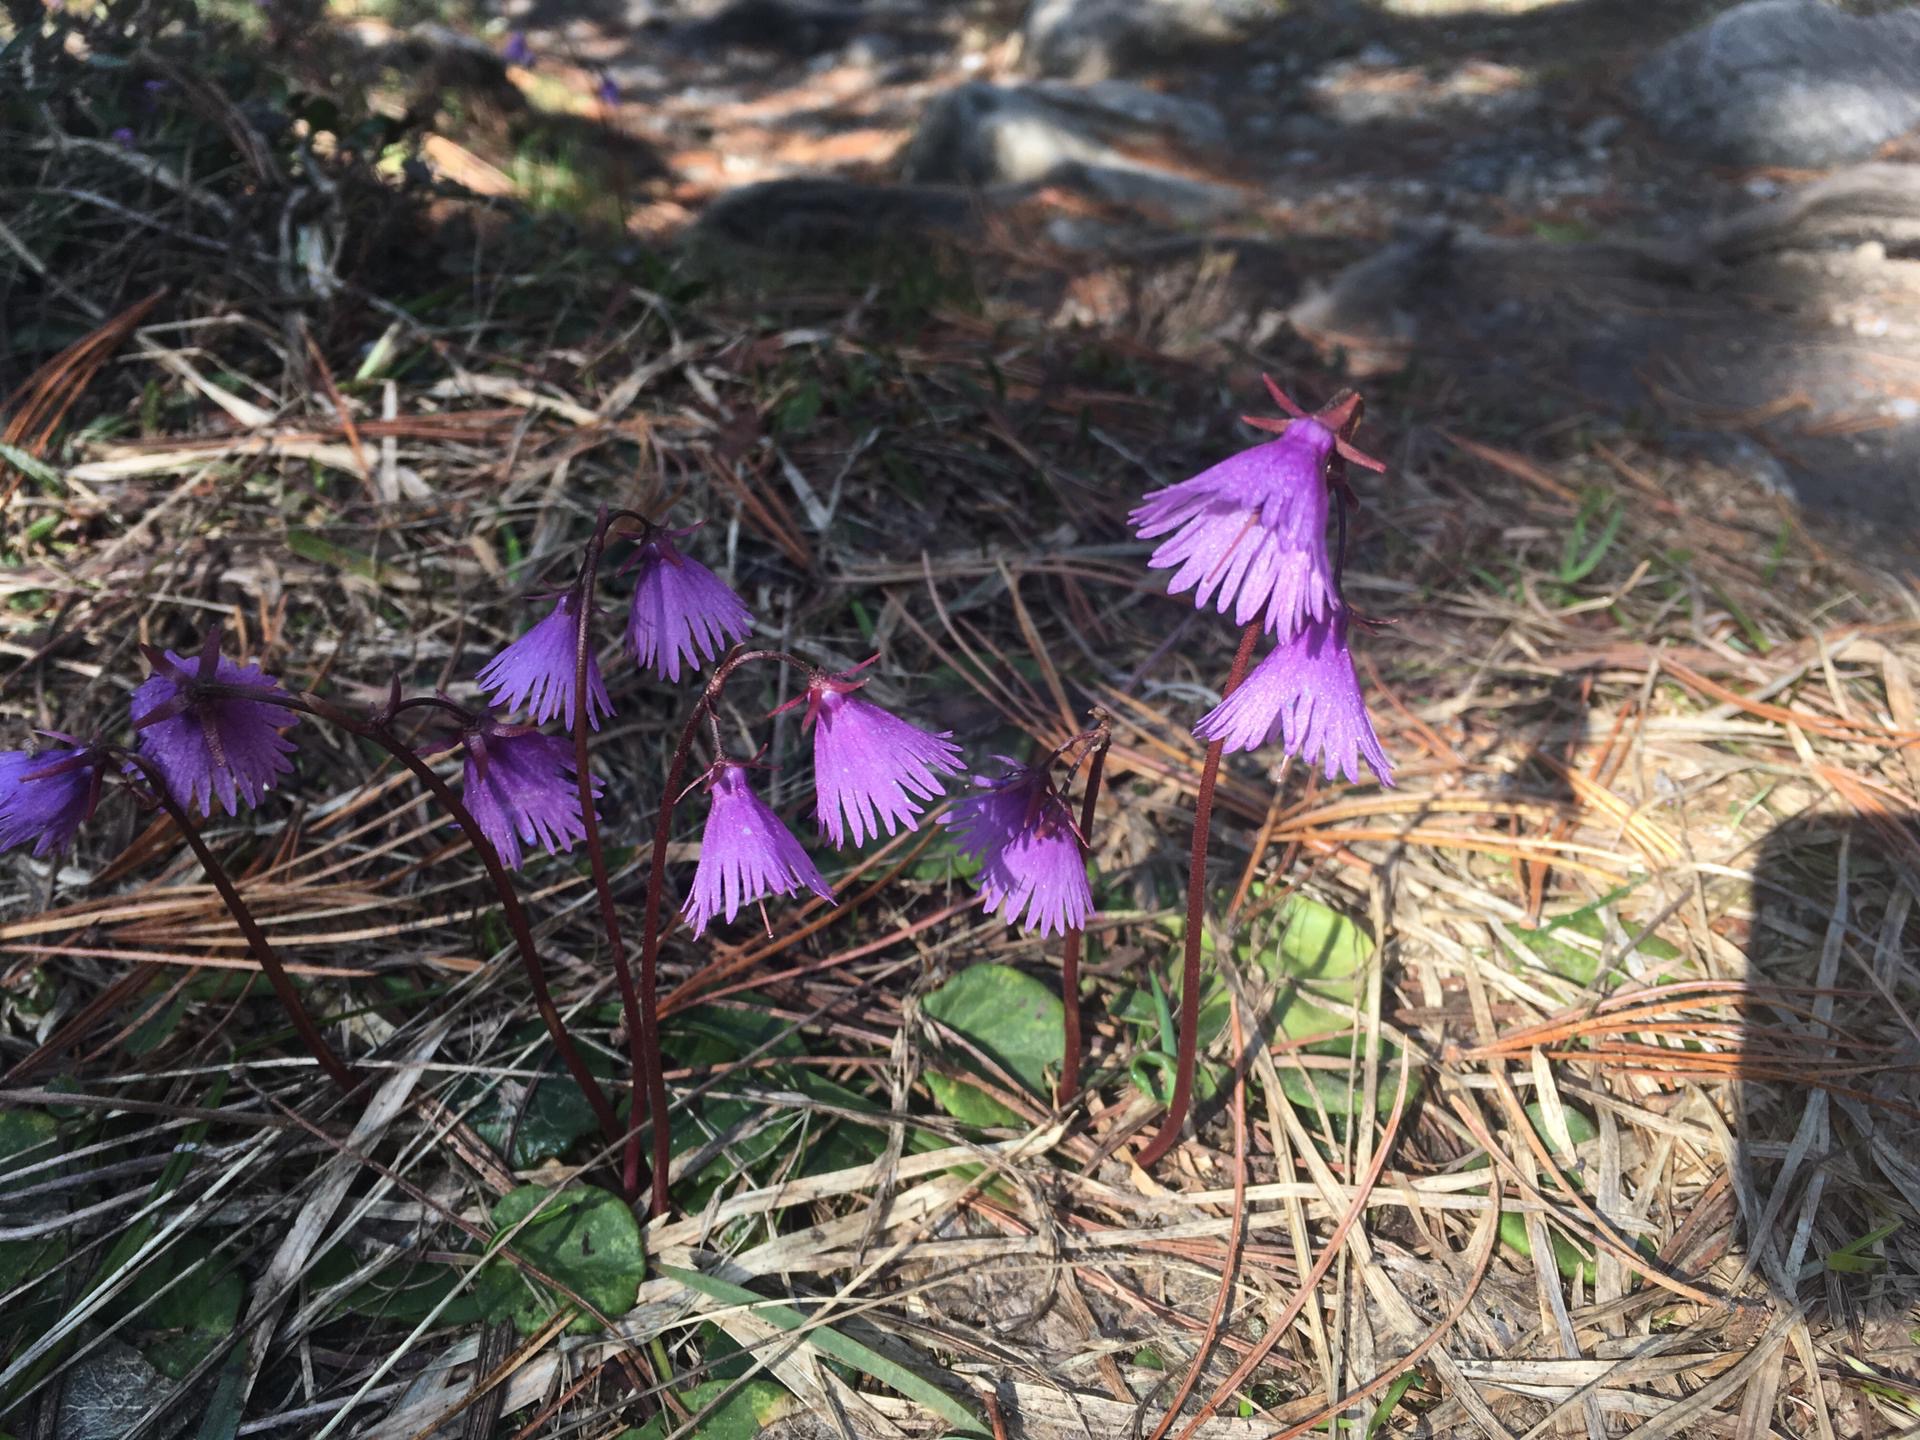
(107, 1393)
(1098, 39)
(980, 134)
(1787, 82)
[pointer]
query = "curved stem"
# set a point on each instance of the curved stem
(434, 702)
(650, 941)
(276, 973)
(1189, 1043)
(1070, 950)
(516, 918)
(377, 730)
(642, 1051)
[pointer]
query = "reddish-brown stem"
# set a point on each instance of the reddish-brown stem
(651, 928)
(377, 730)
(643, 1050)
(516, 918)
(1070, 950)
(1196, 906)
(650, 944)
(270, 965)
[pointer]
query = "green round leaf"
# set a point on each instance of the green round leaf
(586, 1239)
(1321, 948)
(741, 1416)
(192, 1318)
(1009, 1016)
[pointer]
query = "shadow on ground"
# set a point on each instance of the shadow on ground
(1828, 1105)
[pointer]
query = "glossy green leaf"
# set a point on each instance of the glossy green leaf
(1007, 1015)
(1322, 949)
(749, 1410)
(587, 1239)
(1568, 1258)
(1578, 963)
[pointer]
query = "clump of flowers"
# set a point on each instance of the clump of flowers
(1248, 537)
(208, 730)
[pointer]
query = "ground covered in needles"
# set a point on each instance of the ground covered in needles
(1567, 1085)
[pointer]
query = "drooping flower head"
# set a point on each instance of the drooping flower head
(537, 671)
(1032, 873)
(207, 741)
(869, 765)
(1306, 693)
(683, 613)
(1251, 532)
(746, 853)
(519, 787)
(46, 797)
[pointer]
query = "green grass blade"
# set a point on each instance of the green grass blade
(831, 1342)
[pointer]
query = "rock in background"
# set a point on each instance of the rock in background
(1099, 39)
(1121, 143)
(1787, 82)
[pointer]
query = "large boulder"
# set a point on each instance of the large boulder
(1099, 39)
(1787, 82)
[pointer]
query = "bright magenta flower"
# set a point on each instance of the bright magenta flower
(212, 746)
(1306, 693)
(746, 853)
(1032, 873)
(1251, 532)
(537, 671)
(683, 613)
(869, 765)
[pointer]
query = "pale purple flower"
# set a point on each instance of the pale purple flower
(210, 746)
(46, 797)
(125, 138)
(1032, 872)
(746, 853)
(607, 91)
(519, 786)
(517, 51)
(869, 766)
(537, 671)
(1306, 693)
(1251, 532)
(683, 613)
